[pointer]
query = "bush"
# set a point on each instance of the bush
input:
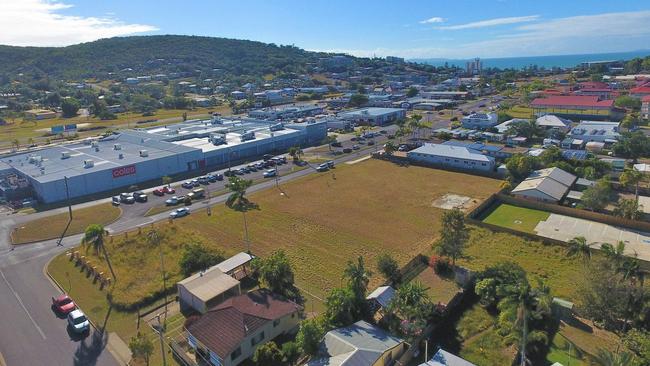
(197, 258)
(441, 265)
(389, 268)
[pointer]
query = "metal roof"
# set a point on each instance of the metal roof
(234, 262)
(383, 295)
(208, 284)
(457, 152)
(444, 358)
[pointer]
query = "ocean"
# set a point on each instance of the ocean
(541, 61)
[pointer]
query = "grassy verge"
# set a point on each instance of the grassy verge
(516, 218)
(52, 226)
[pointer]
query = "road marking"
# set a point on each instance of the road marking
(22, 305)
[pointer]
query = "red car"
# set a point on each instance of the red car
(168, 190)
(159, 192)
(63, 304)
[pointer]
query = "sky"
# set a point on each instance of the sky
(406, 28)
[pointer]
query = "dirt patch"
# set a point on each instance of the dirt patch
(450, 201)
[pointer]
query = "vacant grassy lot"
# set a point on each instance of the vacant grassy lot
(52, 226)
(517, 218)
(440, 289)
(321, 222)
(520, 112)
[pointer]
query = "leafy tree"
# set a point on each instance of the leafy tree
(453, 234)
(197, 257)
(578, 246)
(70, 107)
(276, 273)
(412, 92)
(389, 148)
(268, 354)
(309, 335)
(631, 177)
(295, 152)
(626, 101)
(358, 100)
(629, 209)
(632, 145)
(520, 166)
(638, 341)
(551, 155)
(94, 237)
(596, 197)
(329, 140)
(630, 120)
(167, 180)
(358, 277)
(388, 267)
(341, 304)
(238, 201)
(606, 357)
(144, 104)
(412, 304)
(528, 129)
(291, 352)
(141, 347)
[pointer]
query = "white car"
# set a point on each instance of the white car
(78, 321)
(270, 173)
(180, 212)
(172, 201)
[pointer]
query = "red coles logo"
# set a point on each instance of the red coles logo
(125, 170)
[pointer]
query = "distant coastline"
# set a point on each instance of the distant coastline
(540, 61)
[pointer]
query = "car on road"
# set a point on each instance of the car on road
(63, 304)
(270, 173)
(187, 185)
(347, 150)
(179, 212)
(355, 147)
(168, 190)
(330, 164)
(78, 322)
(323, 167)
(172, 201)
(336, 144)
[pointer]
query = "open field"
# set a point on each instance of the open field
(516, 218)
(320, 222)
(520, 112)
(52, 226)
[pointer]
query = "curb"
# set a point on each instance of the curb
(2, 360)
(116, 355)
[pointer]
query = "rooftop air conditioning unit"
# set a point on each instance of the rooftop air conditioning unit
(94, 144)
(65, 154)
(96, 148)
(144, 153)
(34, 159)
(117, 147)
(89, 163)
(120, 156)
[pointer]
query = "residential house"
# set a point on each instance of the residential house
(547, 185)
(640, 91)
(360, 344)
(481, 121)
(452, 156)
(444, 358)
(551, 122)
(596, 131)
(229, 333)
(205, 289)
(505, 126)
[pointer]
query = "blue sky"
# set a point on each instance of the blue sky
(413, 29)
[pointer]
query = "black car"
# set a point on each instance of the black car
(267, 157)
(347, 150)
(336, 144)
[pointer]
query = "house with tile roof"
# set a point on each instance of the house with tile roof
(547, 185)
(229, 333)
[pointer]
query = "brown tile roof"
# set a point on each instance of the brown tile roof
(224, 327)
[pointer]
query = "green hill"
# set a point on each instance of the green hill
(154, 54)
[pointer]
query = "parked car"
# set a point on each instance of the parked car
(270, 173)
(78, 322)
(323, 167)
(179, 212)
(251, 167)
(168, 190)
(260, 166)
(172, 201)
(402, 148)
(128, 200)
(370, 142)
(63, 304)
(347, 150)
(140, 196)
(124, 195)
(204, 180)
(336, 144)
(229, 173)
(355, 147)
(267, 157)
(187, 185)
(158, 192)
(116, 200)
(195, 183)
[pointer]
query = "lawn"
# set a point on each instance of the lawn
(321, 222)
(520, 112)
(51, 227)
(440, 289)
(516, 218)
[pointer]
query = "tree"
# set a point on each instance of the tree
(388, 267)
(528, 129)
(15, 143)
(453, 234)
(578, 246)
(295, 152)
(268, 354)
(389, 148)
(309, 335)
(632, 145)
(630, 120)
(596, 197)
(239, 202)
(626, 101)
(358, 277)
(276, 273)
(197, 257)
(520, 166)
(70, 107)
(638, 341)
(94, 236)
(412, 92)
(329, 140)
(606, 357)
(358, 100)
(341, 304)
(631, 177)
(167, 180)
(141, 347)
(291, 352)
(629, 209)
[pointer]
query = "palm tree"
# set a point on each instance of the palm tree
(389, 148)
(579, 246)
(358, 277)
(15, 143)
(608, 358)
(94, 236)
(632, 177)
(615, 253)
(239, 202)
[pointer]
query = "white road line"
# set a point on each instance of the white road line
(22, 305)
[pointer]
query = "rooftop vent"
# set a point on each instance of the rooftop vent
(94, 144)
(144, 153)
(117, 147)
(65, 154)
(120, 156)
(89, 163)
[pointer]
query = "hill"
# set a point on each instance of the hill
(154, 54)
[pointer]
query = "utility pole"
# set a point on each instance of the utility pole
(162, 269)
(67, 195)
(162, 343)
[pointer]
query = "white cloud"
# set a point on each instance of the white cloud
(39, 23)
(600, 33)
(491, 22)
(433, 20)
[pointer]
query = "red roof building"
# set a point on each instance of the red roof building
(573, 101)
(593, 85)
(645, 107)
(640, 91)
(577, 106)
(231, 331)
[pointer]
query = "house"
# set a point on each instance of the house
(581, 106)
(374, 116)
(360, 344)
(645, 107)
(380, 298)
(230, 333)
(643, 168)
(238, 95)
(116, 108)
(596, 131)
(444, 358)
(206, 289)
(39, 114)
(452, 156)
(551, 122)
(548, 185)
(505, 126)
(481, 121)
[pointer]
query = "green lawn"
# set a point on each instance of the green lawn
(565, 352)
(51, 227)
(440, 289)
(517, 218)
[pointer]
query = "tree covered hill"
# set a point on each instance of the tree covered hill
(154, 54)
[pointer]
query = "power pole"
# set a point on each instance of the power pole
(67, 195)
(162, 343)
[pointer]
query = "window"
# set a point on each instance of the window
(257, 339)
(276, 322)
(235, 354)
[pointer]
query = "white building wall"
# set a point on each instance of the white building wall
(452, 162)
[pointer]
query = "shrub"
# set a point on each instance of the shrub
(196, 258)
(441, 265)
